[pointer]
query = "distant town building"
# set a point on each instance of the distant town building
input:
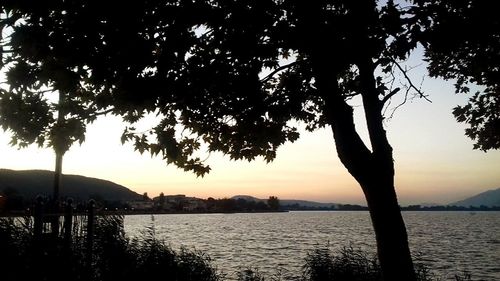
(195, 204)
(140, 205)
(179, 202)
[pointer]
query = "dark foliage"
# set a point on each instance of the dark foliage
(114, 257)
(250, 274)
(231, 73)
(235, 75)
(350, 264)
(462, 43)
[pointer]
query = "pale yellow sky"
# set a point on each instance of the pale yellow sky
(434, 161)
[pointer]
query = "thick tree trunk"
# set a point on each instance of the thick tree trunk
(392, 241)
(377, 182)
(390, 232)
(372, 168)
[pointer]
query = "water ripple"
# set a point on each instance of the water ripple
(450, 242)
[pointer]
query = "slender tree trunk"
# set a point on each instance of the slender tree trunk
(57, 177)
(54, 225)
(59, 150)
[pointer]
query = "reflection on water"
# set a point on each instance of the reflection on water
(449, 241)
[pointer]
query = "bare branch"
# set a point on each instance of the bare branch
(412, 86)
(281, 68)
(392, 93)
(401, 104)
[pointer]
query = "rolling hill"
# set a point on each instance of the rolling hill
(30, 183)
(488, 198)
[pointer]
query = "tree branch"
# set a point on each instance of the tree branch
(392, 93)
(401, 104)
(281, 68)
(104, 112)
(96, 114)
(412, 86)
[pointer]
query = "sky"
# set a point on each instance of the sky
(434, 161)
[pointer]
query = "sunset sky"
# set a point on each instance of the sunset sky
(434, 161)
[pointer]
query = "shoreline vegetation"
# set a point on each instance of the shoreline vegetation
(153, 212)
(128, 212)
(17, 205)
(111, 255)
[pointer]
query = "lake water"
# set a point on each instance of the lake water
(450, 242)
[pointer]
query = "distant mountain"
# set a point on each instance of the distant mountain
(247, 198)
(289, 202)
(30, 183)
(488, 198)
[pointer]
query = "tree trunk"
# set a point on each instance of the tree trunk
(377, 182)
(390, 232)
(55, 195)
(373, 169)
(59, 150)
(57, 176)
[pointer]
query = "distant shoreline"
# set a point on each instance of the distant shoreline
(133, 213)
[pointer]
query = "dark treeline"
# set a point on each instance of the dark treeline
(17, 204)
(354, 207)
(184, 204)
(335, 207)
(241, 205)
(450, 208)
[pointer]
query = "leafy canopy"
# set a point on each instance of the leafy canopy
(462, 41)
(42, 99)
(229, 74)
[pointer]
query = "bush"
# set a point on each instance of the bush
(15, 238)
(351, 264)
(250, 275)
(114, 256)
(348, 265)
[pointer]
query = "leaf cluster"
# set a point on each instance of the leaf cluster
(462, 43)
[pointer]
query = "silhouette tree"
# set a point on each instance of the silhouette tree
(233, 74)
(161, 201)
(44, 102)
(31, 117)
(461, 39)
(274, 203)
